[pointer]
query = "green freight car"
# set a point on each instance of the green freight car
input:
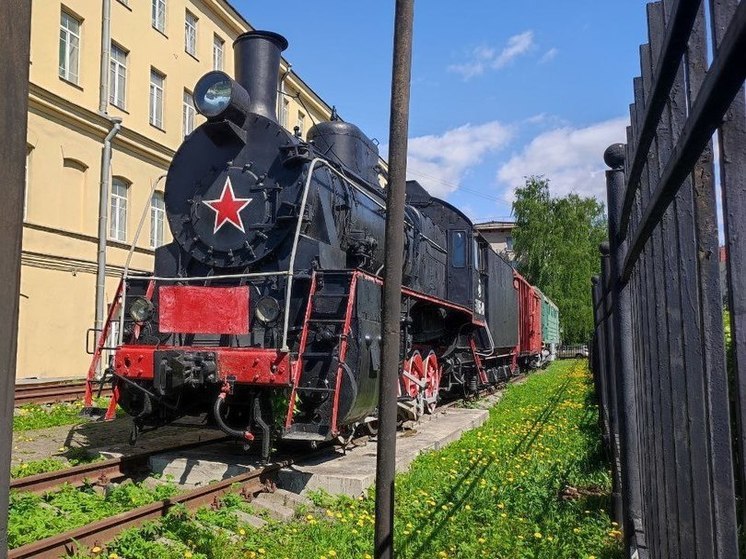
(550, 329)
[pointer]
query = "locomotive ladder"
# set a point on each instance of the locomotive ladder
(338, 354)
(100, 345)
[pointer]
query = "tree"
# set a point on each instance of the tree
(556, 246)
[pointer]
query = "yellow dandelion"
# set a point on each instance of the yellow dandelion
(537, 535)
(242, 532)
(96, 550)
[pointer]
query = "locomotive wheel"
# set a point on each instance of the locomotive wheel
(413, 368)
(432, 375)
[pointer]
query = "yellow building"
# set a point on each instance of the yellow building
(158, 51)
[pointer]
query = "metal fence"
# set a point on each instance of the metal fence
(672, 406)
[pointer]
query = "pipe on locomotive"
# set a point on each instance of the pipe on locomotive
(257, 57)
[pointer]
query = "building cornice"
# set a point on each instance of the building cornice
(85, 120)
(86, 238)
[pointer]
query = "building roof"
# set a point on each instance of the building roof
(495, 226)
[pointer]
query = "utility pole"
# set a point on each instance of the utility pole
(392, 279)
(15, 36)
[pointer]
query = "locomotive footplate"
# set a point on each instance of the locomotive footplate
(168, 366)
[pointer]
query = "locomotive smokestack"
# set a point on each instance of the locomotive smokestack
(257, 64)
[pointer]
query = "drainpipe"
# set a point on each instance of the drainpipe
(103, 214)
(103, 97)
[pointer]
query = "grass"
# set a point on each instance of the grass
(34, 416)
(495, 493)
(33, 517)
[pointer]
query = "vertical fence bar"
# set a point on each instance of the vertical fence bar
(15, 28)
(732, 143)
(722, 520)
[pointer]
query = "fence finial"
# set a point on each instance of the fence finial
(614, 156)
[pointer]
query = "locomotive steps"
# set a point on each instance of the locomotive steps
(335, 472)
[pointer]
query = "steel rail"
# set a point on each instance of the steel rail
(100, 472)
(49, 392)
(105, 530)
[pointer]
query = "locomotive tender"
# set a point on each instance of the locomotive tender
(265, 310)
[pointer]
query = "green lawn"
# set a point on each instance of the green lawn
(495, 493)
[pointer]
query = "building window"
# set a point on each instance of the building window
(157, 83)
(158, 15)
(285, 113)
(118, 209)
(218, 45)
(157, 219)
(188, 113)
(117, 76)
(190, 33)
(301, 124)
(509, 242)
(69, 47)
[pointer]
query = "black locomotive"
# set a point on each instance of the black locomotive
(265, 310)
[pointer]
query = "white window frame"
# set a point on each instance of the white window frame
(69, 47)
(301, 123)
(218, 52)
(157, 219)
(285, 112)
(118, 209)
(118, 76)
(157, 93)
(190, 33)
(158, 15)
(188, 113)
(27, 180)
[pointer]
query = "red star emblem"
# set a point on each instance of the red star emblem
(228, 208)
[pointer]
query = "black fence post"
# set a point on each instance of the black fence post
(15, 28)
(627, 447)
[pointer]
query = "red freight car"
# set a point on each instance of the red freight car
(529, 309)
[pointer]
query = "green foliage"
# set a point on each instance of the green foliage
(33, 517)
(35, 416)
(556, 245)
(495, 493)
(34, 467)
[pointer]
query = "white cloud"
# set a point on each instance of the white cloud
(548, 56)
(571, 158)
(440, 161)
(484, 57)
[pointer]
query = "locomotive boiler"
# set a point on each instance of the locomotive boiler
(264, 313)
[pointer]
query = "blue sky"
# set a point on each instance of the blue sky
(500, 90)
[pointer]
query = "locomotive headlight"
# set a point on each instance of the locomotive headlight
(217, 96)
(267, 309)
(141, 309)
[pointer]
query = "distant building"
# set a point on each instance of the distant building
(499, 234)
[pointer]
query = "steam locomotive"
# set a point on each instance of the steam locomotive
(265, 310)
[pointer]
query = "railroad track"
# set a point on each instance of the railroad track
(103, 531)
(103, 472)
(50, 392)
